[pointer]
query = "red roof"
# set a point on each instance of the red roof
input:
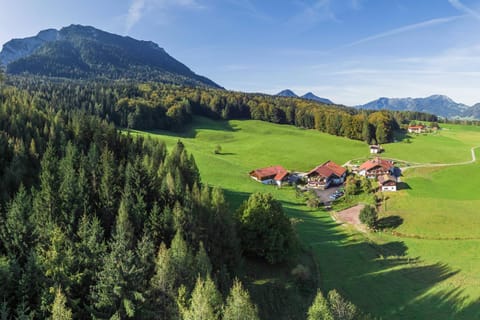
(370, 164)
(327, 169)
(417, 127)
(281, 175)
(274, 172)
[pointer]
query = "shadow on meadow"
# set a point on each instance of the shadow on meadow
(403, 186)
(389, 222)
(380, 278)
(199, 123)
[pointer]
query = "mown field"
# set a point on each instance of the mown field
(450, 144)
(389, 276)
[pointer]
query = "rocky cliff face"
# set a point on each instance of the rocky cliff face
(18, 48)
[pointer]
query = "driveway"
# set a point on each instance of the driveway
(324, 195)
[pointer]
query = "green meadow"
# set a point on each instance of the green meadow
(430, 273)
(449, 145)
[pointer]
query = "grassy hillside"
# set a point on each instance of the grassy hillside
(450, 144)
(389, 276)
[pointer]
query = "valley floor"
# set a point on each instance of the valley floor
(432, 272)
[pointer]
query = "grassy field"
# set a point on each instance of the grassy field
(450, 144)
(389, 276)
(439, 202)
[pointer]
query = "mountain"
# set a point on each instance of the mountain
(472, 112)
(82, 52)
(287, 93)
(308, 96)
(437, 104)
(311, 96)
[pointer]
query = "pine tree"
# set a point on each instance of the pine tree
(206, 302)
(23, 312)
(319, 310)
(108, 189)
(60, 311)
(57, 261)
(116, 293)
(341, 309)
(68, 192)
(182, 261)
(89, 252)
(239, 305)
(162, 285)
(16, 232)
(202, 262)
(46, 200)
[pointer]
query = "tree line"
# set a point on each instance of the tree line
(151, 106)
(96, 223)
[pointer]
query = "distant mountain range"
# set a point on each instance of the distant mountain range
(308, 96)
(439, 105)
(81, 52)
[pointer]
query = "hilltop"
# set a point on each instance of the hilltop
(84, 52)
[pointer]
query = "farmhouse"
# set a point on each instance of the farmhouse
(387, 183)
(326, 175)
(375, 148)
(417, 129)
(270, 175)
(376, 167)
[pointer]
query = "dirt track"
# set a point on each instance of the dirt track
(350, 216)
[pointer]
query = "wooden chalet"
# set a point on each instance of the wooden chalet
(387, 183)
(417, 129)
(270, 175)
(376, 167)
(325, 175)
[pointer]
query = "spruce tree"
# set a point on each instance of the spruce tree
(46, 200)
(60, 310)
(319, 310)
(108, 189)
(202, 262)
(89, 251)
(239, 305)
(341, 309)
(205, 303)
(70, 204)
(116, 293)
(16, 232)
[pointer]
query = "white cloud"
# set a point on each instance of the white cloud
(407, 28)
(138, 8)
(310, 15)
(461, 7)
(135, 13)
(249, 7)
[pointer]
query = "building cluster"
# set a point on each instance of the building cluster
(331, 174)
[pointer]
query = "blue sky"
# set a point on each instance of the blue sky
(351, 51)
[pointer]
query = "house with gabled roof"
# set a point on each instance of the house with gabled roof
(325, 175)
(270, 175)
(420, 128)
(376, 167)
(387, 183)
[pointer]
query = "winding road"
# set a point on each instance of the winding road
(430, 165)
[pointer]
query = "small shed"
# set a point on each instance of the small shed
(375, 149)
